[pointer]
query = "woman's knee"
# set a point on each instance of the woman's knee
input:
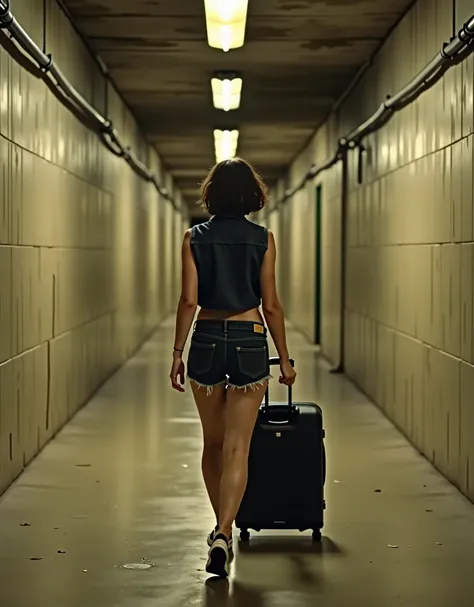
(214, 443)
(235, 448)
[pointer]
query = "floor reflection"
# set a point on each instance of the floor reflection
(221, 593)
(289, 544)
(271, 569)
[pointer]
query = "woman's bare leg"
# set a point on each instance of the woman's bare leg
(211, 410)
(240, 416)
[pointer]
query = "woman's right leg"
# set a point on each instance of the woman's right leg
(240, 417)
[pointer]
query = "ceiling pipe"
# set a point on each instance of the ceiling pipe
(451, 53)
(97, 122)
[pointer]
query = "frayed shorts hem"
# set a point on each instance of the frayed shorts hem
(250, 386)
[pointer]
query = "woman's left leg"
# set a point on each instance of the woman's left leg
(211, 408)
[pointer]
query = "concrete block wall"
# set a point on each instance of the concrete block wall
(88, 251)
(409, 310)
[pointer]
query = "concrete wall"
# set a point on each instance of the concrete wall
(409, 309)
(83, 255)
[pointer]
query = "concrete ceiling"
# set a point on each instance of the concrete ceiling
(298, 58)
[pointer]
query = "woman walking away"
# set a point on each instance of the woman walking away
(228, 270)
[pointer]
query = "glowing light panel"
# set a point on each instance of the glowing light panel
(226, 93)
(226, 21)
(225, 144)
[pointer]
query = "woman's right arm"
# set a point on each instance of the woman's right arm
(273, 312)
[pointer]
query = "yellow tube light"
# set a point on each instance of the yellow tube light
(226, 93)
(225, 143)
(226, 21)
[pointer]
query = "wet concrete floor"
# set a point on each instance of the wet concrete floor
(121, 485)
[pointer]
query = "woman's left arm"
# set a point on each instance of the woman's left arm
(186, 310)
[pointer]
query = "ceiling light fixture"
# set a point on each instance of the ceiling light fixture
(225, 143)
(226, 21)
(226, 92)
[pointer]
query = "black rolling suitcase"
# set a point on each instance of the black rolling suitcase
(287, 469)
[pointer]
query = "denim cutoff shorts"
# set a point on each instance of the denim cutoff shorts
(232, 352)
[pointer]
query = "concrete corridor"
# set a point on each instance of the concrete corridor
(121, 485)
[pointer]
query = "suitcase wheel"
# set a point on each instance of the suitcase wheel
(244, 535)
(316, 535)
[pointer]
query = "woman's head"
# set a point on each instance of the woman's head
(233, 187)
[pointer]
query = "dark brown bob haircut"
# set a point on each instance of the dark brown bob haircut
(233, 187)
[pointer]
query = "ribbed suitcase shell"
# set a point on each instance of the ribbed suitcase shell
(287, 470)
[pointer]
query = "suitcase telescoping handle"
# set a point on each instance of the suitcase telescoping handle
(275, 360)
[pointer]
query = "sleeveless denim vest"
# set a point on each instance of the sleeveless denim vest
(228, 252)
